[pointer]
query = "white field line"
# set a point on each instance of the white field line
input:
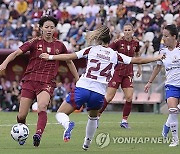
(80, 123)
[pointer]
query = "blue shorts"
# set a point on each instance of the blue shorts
(80, 96)
(172, 91)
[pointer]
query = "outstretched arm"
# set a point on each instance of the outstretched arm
(140, 60)
(63, 57)
(139, 71)
(10, 58)
(155, 72)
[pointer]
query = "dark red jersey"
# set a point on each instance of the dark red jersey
(39, 69)
(128, 48)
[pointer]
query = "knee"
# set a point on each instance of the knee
(109, 97)
(128, 98)
(42, 107)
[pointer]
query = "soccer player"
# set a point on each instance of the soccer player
(123, 74)
(91, 86)
(39, 78)
(172, 84)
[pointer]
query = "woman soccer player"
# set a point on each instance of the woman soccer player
(38, 81)
(91, 86)
(172, 84)
(123, 74)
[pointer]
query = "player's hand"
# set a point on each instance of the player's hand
(139, 73)
(44, 56)
(147, 87)
(161, 56)
(2, 67)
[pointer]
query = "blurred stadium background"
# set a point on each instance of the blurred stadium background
(19, 23)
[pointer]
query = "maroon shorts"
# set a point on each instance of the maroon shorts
(30, 89)
(124, 81)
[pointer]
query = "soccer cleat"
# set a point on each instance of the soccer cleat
(165, 131)
(124, 125)
(36, 140)
(22, 142)
(86, 144)
(174, 143)
(67, 132)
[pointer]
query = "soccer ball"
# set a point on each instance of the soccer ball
(19, 132)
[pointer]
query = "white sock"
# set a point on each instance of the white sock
(169, 120)
(91, 127)
(174, 127)
(124, 121)
(63, 119)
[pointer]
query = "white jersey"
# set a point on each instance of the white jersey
(172, 66)
(100, 67)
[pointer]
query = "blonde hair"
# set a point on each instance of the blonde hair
(99, 36)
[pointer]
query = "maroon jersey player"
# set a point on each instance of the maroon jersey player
(38, 81)
(123, 74)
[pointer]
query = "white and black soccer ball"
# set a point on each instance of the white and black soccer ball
(19, 132)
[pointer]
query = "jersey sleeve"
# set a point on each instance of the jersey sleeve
(83, 53)
(113, 45)
(123, 58)
(26, 46)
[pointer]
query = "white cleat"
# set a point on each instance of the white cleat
(174, 143)
(86, 144)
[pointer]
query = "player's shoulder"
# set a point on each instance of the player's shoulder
(163, 50)
(34, 40)
(135, 39)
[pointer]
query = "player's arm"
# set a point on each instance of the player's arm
(139, 71)
(10, 58)
(140, 60)
(73, 69)
(155, 72)
(63, 57)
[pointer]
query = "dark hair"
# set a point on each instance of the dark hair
(47, 18)
(172, 30)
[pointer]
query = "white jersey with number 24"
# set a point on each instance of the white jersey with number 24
(100, 67)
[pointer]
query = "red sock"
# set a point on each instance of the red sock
(23, 121)
(41, 124)
(104, 106)
(127, 109)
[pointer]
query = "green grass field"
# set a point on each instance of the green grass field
(144, 125)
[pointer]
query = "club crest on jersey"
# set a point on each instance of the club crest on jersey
(134, 48)
(122, 46)
(57, 51)
(48, 49)
(39, 47)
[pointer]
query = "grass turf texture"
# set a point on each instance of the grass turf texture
(142, 125)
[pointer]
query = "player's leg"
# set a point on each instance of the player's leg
(172, 97)
(43, 99)
(173, 120)
(26, 100)
(62, 117)
(90, 128)
(127, 87)
(110, 93)
(93, 105)
(74, 100)
(113, 85)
